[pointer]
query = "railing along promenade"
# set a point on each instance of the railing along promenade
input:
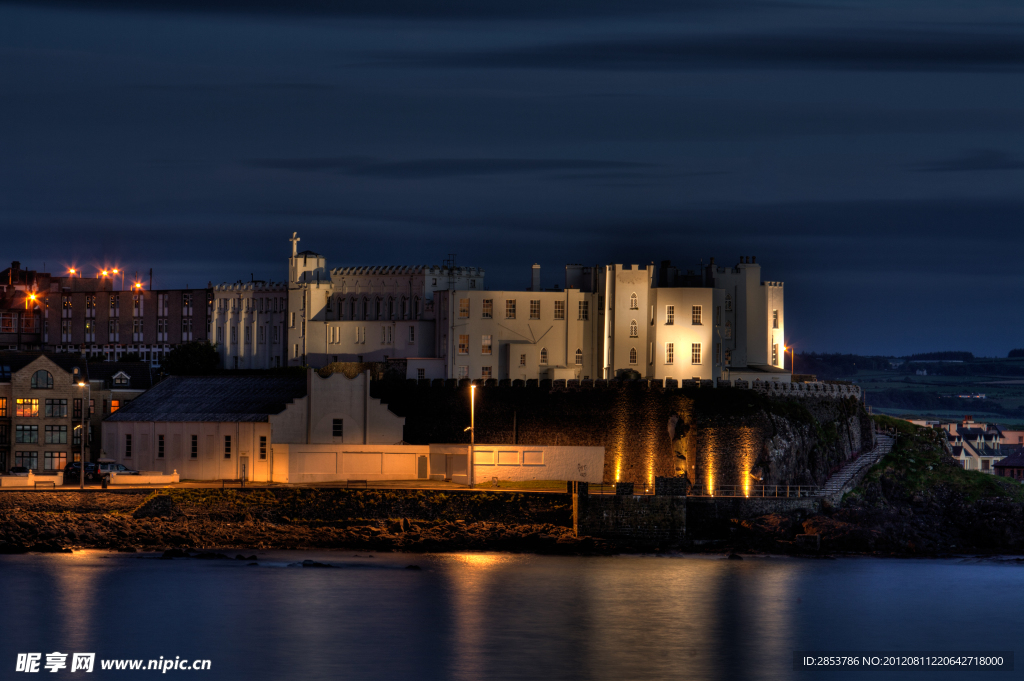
(773, 491)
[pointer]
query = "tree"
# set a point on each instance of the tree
(198, 358)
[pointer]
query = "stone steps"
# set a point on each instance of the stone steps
(837, 482)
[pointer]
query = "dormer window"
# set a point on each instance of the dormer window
(122, 379)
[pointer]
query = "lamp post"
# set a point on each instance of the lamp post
(472, 434)
(792, 360)
(85, 432)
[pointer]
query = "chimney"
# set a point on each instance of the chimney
(753, 260)
(535, 281)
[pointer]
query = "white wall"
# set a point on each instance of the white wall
(514, 462)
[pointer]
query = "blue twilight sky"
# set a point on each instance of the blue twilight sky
(870, 154)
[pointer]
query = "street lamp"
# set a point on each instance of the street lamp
(115, 272)
(472, 433)
(792, 360)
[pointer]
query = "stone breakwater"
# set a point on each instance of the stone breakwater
(371, 520)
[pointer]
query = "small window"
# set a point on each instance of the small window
(421, 374)
(464, 344)
(728, 330)
(42, 379)
(485, 344)
(534, 309)
(195, 447)
(127, 446)
(579, 357)
(634, 302)
(559, 309)
(464, 308)
(485, 372)
(412, 334)
(462, 371)
(159, 446)
(487, 309)
(544, 356)
(634, 329)
(728, 303)
(696, 315)
(775, 319)
(670, 353)
(775, 354)
(584, 311)
(522, 360)
(227, 446)
(695, 353)
(670, 314)
(632, 355)
(338, 427)
(114, 405)
(510, 309)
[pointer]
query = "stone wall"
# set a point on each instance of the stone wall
(724, 433)
(711, 517)
(643, 520)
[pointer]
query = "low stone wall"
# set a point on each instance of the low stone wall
(711, 517)
(642, 520)
(145, 478)
(57, 479)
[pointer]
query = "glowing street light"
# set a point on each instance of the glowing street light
(82, 383)
(792, 360)
(472, 433)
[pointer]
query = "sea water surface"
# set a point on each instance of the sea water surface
(501, 616)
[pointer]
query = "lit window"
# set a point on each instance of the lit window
(670, 353)
(775, 354)
(632, 355)
(634, 303)
(695, 353)
(464, 344)
(485, 344)
(696, 315)
(26, 408)
(534, 309)
(487, 311)
(670, 314)
(510, 309)
(634, 329)
(464, 308)
(559, 309)
(114, 405)
(485, 372)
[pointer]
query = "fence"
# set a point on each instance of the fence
(774, 491)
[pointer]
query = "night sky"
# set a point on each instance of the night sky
(871, 155)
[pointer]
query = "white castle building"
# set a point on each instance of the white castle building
(717, 323)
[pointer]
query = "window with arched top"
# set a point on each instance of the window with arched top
(391, 308)
(634, 303)
(728, 303)
(366, 308)
(634, 329)
(543, 356)
(416, 307)
(579, 356)
(728, 329)
(632, 355)
(405, 307)
(42, 379)
(341, 308)
(376, 308)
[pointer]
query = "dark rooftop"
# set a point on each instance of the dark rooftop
(213, 398)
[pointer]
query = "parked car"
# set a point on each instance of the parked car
(96, 470)
(72, 470)
(20, 471)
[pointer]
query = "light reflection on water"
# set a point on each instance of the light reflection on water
(501, 616)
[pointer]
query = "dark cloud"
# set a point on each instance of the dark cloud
(868, 50)
(439, 167)
(982, 159)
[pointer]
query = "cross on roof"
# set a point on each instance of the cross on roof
(295, 243)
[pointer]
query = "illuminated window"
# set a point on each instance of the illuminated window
(54, 461)
(3, 406)
(695, 353)
(559, 309)
(632, 355)
(464, 344)
(670, 314)
(696, 315)
(485, 344)
(114, 405)
(634, 329)
(510, 309)
(670, 353)
(634, 303)
(26, 408)
(485, 372)
(534, 309)
(487, 311)
(775, 354)
(464, 308)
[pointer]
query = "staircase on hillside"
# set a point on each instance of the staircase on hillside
(836, 486)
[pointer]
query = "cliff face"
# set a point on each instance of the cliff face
(715, 436)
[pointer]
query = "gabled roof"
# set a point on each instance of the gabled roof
(213, 398)
(1013, 461)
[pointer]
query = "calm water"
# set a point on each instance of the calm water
(494, 616)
